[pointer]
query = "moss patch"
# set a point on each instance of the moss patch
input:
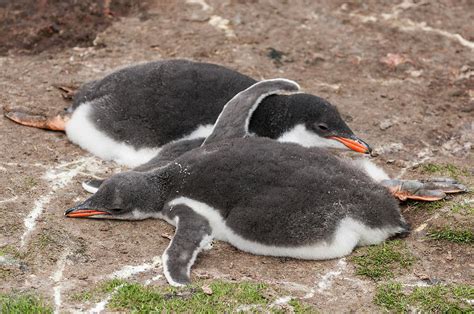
(23, 304)
(381, 261)
(452, 235)
(444, 169)
(438, 299)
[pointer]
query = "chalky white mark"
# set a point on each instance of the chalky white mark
(57, 178)
(124, 273)
(57, 277)
(152, 279)
(222, 24)
(326, 281)
(8, 200)
(407, 25)
(100, 306)
(281, 301)
(129, 270)
(202, 3)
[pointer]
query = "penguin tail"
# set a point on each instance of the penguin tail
(21, 116)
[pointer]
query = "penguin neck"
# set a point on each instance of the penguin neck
(271, 118)
(161, 183)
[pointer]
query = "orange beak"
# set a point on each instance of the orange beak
(80, 213)
(356, 145)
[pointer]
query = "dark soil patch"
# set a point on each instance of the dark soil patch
(30, 27)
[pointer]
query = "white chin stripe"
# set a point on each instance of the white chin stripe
(306, 138)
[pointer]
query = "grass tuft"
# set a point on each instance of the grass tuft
(444, 169)
(437, 299)
(452, 235)
(225, 296)
(429, 206)
(96, 293)
(380, 261)
(218, 297)
(23, 304)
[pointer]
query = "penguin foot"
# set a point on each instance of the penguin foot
(21, 116)
(193, 234)
(68, 92)
(423, 190)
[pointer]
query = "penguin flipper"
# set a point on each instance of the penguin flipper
(193, 234)
(21, 116)
(424, 190)
(233, 121)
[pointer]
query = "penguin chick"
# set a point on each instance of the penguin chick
(263, 197)
(129, 115)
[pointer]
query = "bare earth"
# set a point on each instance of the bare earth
(401, 74)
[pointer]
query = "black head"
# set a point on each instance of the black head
(129, 195)
(304, 119)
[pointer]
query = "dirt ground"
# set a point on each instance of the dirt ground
(401, 73)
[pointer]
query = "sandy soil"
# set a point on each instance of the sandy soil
(401, 74)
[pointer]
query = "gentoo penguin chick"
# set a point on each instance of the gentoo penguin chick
(263, 197)
(130, 114)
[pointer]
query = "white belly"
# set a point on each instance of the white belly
(347, 236)
(81, 131)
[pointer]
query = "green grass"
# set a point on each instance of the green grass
(11, 251)
(429, 206)
(444, 169)
(98, 292)
(30, 182)
(452, 235)
(438, 298)
(381, 261)
(225, 297)
(23, 304)
(463, 208)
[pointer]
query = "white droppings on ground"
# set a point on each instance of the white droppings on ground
(154, 278)
(57, 178)
(129, 270)
(281, 301)
(99, 307)
(222, 24)
(8, 200)
(408, 25)
(57, 278)
(326, 281)
(202, 3)
(124, 273)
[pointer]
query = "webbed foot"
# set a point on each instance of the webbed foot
(423, 190)
(22, 116)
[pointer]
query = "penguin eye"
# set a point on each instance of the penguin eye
(323, 126)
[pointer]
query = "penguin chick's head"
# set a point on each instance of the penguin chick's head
(304, 119)
(128, 196)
